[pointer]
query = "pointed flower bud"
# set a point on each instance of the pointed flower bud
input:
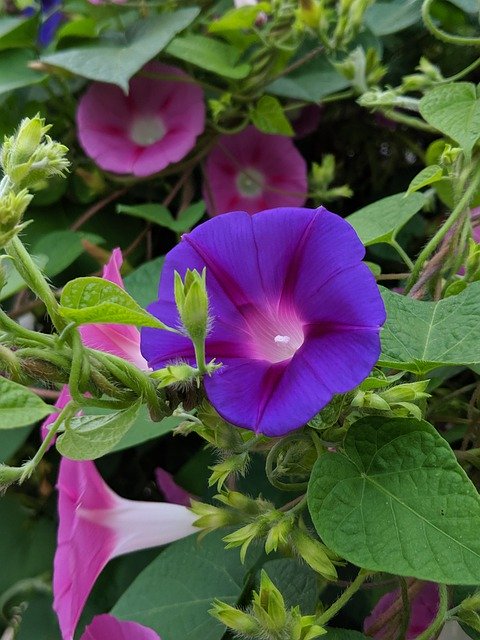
(309, 13)
(235, 619)
(278, 534)
(234, 465)
(12, 208)
(192, 302)
(179, 374)
(314, 553)
(210, 517)
(269, 605)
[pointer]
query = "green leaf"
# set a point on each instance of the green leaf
(19, 406)
(419, 336)
(62, 248)
(210, 54)
(39, 620)
(90, 437)
(158, 214)
(241, 18)
(385, 18)
(268, 116)
(427, 176)
(116, 57)
(174, 593)
(142, 284)
(14, 70)
(16, 32)
(94, 300)
(454, 109)
(142, 430)
(397, 501)
(382, 220)
(311, 82)
(11, 441)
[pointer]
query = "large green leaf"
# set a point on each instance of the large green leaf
(419, 336)
(17, 32)
(19, 406)
(90, 437)
(94, 300)
(61, 248)
(116, 57)
(210, 54)
(382, 220)
(384, 18)
(175, 592)
(396, 500)
(454, 109)
(11, 440)
(14, 70)
(311, 82)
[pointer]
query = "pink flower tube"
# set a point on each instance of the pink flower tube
(107, 627)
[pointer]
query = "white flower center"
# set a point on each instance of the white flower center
(147, 130)
(250, 183)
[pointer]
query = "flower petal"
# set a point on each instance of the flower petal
(106, 627)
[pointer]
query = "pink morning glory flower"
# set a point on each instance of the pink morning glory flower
(106, 627)
(252, 171)
(141, 133)
(118, 339)
(295, 313)
(97, 525)
(423, 609)
(172, 492)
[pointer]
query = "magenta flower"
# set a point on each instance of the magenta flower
(172, 492)
(106, 627)
(252, 171)
(118, 339)
(97, 525)
(141, 133)
(296, 314)
(423, 609)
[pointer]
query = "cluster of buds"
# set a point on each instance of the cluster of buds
(268, 618)
(362, 68)
(321, 178)
(429, 75)
(237, 509)
(467, 612)
(377, 394)
(28, 159)
(336, 23)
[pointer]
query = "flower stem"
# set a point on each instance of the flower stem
(402, 253)
(436, 625)
(441, 233)
(35, 279)
(344, 598)
(444, 35)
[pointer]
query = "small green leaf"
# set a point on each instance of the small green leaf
(427, 176)
(90, 437)
(62, 248)
(210, 54)
(396, 500)
(268, 116)
(158, 214)
(241, 18)
(19, 406)
(14, 70)
(420, 336)
(94, 300)
(454, 109)
(174, 593)
(116, 56)
(382, 220)
(385, 18)
(311, 82)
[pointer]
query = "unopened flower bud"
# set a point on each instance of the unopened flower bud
(180, 374)
(278, 534)
(12, 208)
(314, 553)
(244, 536)
(269, 605)
(235, 619)
(309, 13)
(370, 400)
(20, 147)
(210, 517)
(222, 470)
(192, 303)
(408, 392)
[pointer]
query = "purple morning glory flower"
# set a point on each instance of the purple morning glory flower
(51, 18)
(296, 314)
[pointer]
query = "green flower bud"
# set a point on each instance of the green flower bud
(314, 553)
(269, 605)
(222, 470)
(12, 207)
(310, 13)
(175, 374)
(279, 533)
(235, 619)
(370, 400)
(408, 392)
(19, 148)
(244, 536)
(192, 303)
(210, 517)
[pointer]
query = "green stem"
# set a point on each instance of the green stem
(35, 279)
(12, 327)
(402, 253)
(441, 233)
(461, 74)
(344, 598)
(67, 412)
(444, 35)
(406, 610)
(410, 121)
(10, 361)
(438, 622)
(199, 346)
